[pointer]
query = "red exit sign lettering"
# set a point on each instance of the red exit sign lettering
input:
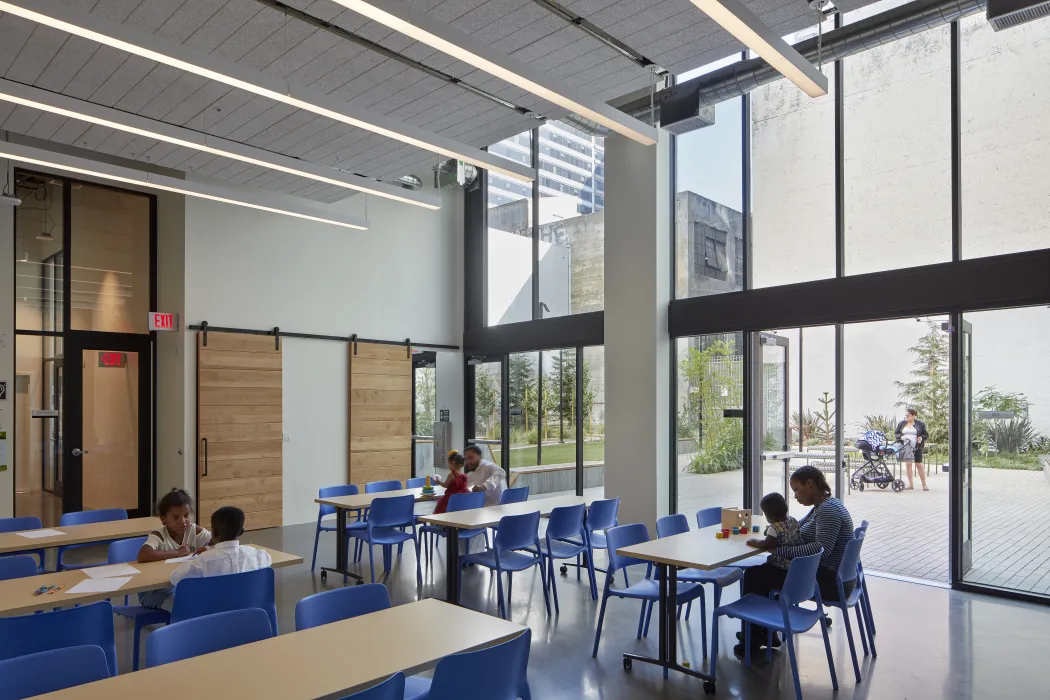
(159, 321)
(112, 359)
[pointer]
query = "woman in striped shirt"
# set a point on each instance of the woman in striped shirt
(827, 526)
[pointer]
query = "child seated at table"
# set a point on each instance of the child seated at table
(783, 530)
(456, 481)
(177, 536)
(227, 555)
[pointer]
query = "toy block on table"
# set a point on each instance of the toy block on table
(736, 517)
(755, 528)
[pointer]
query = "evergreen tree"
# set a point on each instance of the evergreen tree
(928, 391)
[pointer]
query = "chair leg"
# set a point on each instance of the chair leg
(852, 645)
(591, 576)
(827, 650)
(419, 557)
(510, 582)
(871, 635)
(578, 563)
(553, 584)
(863, 629)
(714, 636)
(598, 631)
(648, 618)
(499, 595)
(371, 562)
(135, 654)
(641, 617)
(867, 607)
(789, 640)
(544, 579)
(317, 536)
(718, 602)
(703, 621)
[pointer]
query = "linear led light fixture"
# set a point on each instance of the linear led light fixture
(191, 60)
(756, 35)
(82, 110)
(118, 173)
(420, 26)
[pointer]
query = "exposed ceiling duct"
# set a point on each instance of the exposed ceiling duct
(742, 77)
(1003, 14)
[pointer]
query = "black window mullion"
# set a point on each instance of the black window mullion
(536, 311)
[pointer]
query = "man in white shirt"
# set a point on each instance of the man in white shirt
(483, 475)
(228, 556)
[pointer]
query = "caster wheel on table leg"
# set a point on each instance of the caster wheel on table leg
(626, 664)
(324, 575)
(360, 582)
(564, 570)
(709, 687)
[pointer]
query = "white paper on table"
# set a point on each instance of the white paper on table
(99, 585)
(179, 560)
(34, 534)
(111, 570)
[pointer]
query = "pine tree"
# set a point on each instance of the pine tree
(928, 391)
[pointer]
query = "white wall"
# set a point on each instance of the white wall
(397, 280)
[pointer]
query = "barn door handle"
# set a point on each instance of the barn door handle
(205, 441)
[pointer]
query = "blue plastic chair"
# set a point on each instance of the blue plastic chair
(381, 486)
(124, 551)
(859, 534)
(456, 502)
(195, 597)
(17, 566)
(515, 495)
(392, 688)
(499, 672)
(48, 671)
(70, 627)
(515, 548)
(849, 571)
(206, 634)
(324, 511)
(601, 516)
(566, 538)
(83, 517)
(417, 482)
(340, 604)
(706, 517)
(784, 615)
(647, 590)
(29, 522)
(724, 576)
(386, 518)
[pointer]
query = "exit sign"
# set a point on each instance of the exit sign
(159, 321)
(112, 359)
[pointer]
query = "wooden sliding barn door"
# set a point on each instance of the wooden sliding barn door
(380, 410)
(239, 427)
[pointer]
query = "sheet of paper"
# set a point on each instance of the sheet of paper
(179, 560)
(111, 570)
(99, 585)
(34, 534)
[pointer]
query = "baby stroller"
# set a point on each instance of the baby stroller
(875, 449)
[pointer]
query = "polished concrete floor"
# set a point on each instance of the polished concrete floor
(932, 642)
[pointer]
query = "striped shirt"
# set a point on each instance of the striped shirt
(828, 525)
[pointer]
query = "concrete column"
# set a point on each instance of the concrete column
(638, 220)
(450, 393)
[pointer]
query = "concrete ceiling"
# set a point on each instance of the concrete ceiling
(672, 33)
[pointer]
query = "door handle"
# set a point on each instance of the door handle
(205, 441)
(77, 452)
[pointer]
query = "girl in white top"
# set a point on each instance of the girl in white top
(178, 536)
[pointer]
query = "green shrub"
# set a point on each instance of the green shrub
(1011, 436)
(1029, 462)
(723, 448)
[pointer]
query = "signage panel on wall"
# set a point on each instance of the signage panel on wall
(160, 321)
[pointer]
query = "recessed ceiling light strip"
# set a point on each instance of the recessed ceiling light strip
(117, 173)
(191, 60)
(71, 107)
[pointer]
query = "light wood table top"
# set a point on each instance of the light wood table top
(16, 595)
(490, 515)
(364, 500)
(330, 661)
(697, 549)
(79, 534)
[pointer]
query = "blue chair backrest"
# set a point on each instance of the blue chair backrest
(82, 517)
(801, 580)
(515, 495)
(859, 532)
(849, 566)
(127, 550)
(206, 634)
(340, 604)
(18, 566)
(69, 627)
(465, 501)
(416, 482)
(195, 597)
(624, 536)
(672, 525)
(48, 671)
(334, 492)
(602, 514)
(566, 521)
(496, 673)
(392, 511)
(517, 531)
(392, 688)
(707, 517)
(380, 486)
(28, 522)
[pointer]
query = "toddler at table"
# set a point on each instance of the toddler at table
(783, 530)
(455, 483)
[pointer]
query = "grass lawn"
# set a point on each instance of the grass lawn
(561, 453)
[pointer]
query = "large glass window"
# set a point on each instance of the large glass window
(509, 238)
(709, 244)
(39, 261)
(898, 151)
(793, 180)
(488, 426)
(571, 225)
(1005, 137)
(592, 374)
(524, 400)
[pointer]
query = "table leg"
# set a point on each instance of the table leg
(452, 570)
(342, 563)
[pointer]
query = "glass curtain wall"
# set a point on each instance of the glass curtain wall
(592, 375)
(508, 239)
(488, 397)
